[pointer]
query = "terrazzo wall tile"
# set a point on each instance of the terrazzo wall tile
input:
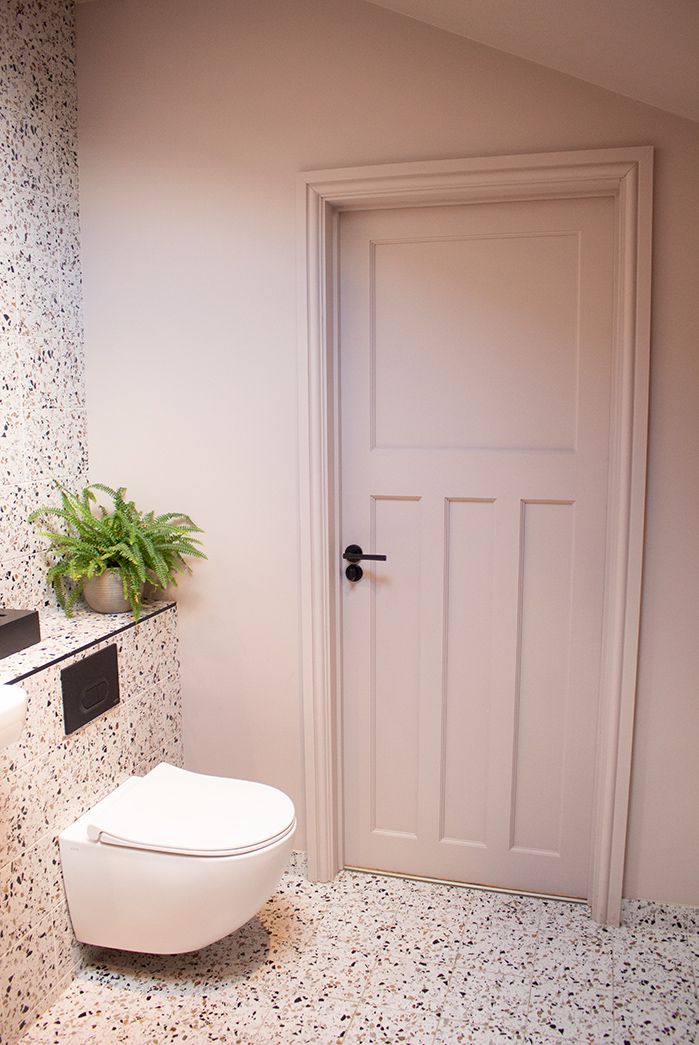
(140, 730)
(14, 532)
(23, 583)
(31, 889)
(70, 955)
(42, 385)
(173, 750)
(25, 971)
(48, 779)
(43, 728)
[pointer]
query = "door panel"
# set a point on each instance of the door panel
(469, 557)
(542, 686)
(489, 292)
(475, 371)
(394, 685)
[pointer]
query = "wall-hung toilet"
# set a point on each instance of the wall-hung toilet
(174, 860)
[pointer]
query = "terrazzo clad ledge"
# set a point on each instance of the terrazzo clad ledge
(47, 780)
(62, 636)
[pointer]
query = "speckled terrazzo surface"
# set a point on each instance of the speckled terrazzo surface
(63, 636)
(42, 368)
(372, 959)
(48, 779)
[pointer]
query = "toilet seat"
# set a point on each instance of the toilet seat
(173, 810)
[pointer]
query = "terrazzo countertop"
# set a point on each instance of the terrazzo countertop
(62, 637)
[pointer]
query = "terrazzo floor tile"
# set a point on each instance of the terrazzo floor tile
(655, 1003)
(85, 1015)
(498, 1002)
(654, 917)
(297, 973)
(311, 1022)
(566, 955)
(560, 917)
(503, 947)
(109, 1015)
(371, 1026)
(571, 1012)
(473, 1031)
(218, 1017)
(491, 908)
(636, 947)
(414, 977)
(439, 918)
(654, 1023)
(318, 973)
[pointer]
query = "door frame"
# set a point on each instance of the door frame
(625, 174)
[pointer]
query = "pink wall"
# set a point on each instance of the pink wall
(195, 118)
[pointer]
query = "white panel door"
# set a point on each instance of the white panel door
(475, 347)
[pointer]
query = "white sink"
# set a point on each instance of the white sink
(13, 711)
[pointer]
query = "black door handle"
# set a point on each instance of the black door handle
(354, 555)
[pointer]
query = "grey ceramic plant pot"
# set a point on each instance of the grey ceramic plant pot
(105, 594)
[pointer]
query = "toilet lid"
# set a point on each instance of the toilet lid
(172, 810)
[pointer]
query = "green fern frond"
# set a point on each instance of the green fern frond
(39, 513)
(105, 489)
(184, 520)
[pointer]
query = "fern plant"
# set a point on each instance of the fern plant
(141, 547)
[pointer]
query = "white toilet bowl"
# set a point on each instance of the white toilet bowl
(174, 860)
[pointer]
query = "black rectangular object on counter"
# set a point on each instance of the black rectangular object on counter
(18, 629)
(90, 688)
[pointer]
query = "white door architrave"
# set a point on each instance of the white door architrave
(624, 174)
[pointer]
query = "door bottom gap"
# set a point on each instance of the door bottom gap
(466, 885)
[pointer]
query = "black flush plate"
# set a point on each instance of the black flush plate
(18, 629)
(90, 688)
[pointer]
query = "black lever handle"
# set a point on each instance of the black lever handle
(353, 553)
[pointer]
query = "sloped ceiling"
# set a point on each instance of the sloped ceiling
(647, 50)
